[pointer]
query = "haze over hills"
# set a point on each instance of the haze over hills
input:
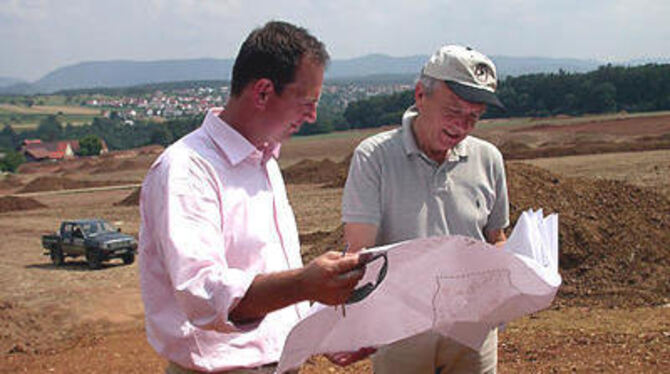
(7, 81)
(128, 73)
(642, 61)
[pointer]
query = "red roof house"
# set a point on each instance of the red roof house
(36, 150)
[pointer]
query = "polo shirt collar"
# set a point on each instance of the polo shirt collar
(459, 150)
(410, 144)
(408, 141)
(235, 146)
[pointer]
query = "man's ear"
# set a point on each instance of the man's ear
(419, 95)
(262, 89)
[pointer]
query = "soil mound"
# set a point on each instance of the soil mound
(153, 149)
(329, 173)
(130, 200)
(78, 167)
(512, 146)
(12, 203)
(9, 182)
(613, 236)
(310, 171)
(112, 165)
(74, 165)
(61, 183)
(38, 167)
(318, 242)
(632, 126)
(26, 331)
(519, 151)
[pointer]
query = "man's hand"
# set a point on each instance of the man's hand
(348, 358)
(496, 237)
(331, 277)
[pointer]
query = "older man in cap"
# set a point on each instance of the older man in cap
(431, 178)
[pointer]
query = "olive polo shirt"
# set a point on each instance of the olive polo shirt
(395, 186)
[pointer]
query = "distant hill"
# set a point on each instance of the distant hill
(131, 73)
(643, 61)
(126, 73)
(375, 64)
(378, 64)
(7, 81)
(514, 66)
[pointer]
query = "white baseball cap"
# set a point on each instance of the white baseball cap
(468, 73)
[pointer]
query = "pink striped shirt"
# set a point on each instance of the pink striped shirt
(214, 215)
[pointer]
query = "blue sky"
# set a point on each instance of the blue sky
(38, 36)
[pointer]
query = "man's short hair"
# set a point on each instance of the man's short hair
(428, 83)
(274, 52)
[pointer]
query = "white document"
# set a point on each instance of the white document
(457, 286)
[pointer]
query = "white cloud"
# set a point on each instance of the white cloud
(37, 36)
(24, 10)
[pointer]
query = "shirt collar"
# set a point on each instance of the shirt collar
(408, 141)
(235, 146)
(410, 144)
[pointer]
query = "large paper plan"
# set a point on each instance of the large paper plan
(457, 286)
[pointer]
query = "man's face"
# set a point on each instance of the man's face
(297, 103)
(446, 119)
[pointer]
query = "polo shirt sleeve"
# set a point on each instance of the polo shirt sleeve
(499, 216)
(361, 201)
(187, 225)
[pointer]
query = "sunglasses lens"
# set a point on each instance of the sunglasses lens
(360, 293)
(365, 290)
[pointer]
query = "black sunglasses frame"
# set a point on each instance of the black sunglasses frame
(365, 290)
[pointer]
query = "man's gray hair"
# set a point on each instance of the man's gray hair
(428, 83)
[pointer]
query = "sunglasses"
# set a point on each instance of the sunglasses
(365, 290)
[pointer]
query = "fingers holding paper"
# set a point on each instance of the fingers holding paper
(331, 277)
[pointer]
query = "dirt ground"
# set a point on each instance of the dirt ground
(643, 169)
(621, 126)
(519, 138)
(71, 319)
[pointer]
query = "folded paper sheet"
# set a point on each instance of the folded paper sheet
(454, 285)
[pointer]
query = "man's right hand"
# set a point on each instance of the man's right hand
(331, 277)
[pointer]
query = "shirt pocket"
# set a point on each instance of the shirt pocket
(249, 234)
(474, 203)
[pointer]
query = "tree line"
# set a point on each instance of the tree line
(605, 90)
(116, 134)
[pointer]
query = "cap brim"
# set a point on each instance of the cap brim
(475, 95)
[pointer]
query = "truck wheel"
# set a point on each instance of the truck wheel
(56, 255)
(128, 258)
(93, 259)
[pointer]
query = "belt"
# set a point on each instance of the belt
(174, 368)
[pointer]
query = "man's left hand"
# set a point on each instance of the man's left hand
(348, 358)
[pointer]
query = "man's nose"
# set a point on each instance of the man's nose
(310, 116)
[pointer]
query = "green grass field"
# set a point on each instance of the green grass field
(23, 118)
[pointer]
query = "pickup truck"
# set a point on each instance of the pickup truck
(95, 239)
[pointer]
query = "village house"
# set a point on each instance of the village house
(37, 150)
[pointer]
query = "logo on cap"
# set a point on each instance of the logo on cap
(483, 73)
